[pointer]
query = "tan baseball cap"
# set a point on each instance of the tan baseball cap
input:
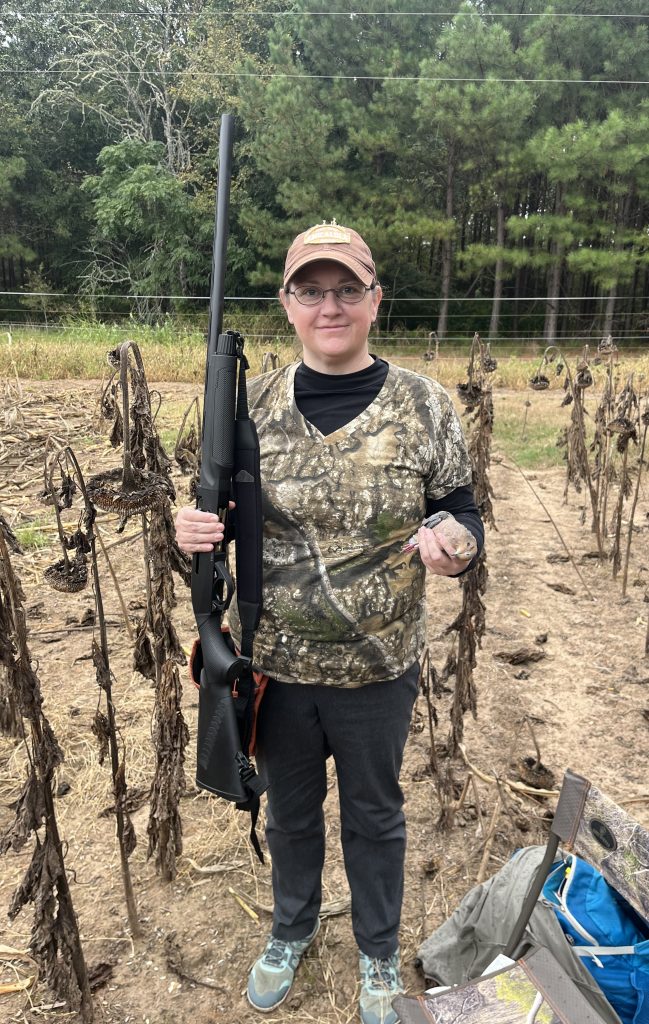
(331, 242)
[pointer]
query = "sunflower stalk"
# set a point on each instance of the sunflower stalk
(470, 624)
(105, 726)
(641, 462)
(625, 426)
(10, 721)
(603, 461)
(578, 466)
(55, 940)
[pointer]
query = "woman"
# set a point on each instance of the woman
(354, 453)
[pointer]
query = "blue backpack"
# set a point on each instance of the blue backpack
(606, 933)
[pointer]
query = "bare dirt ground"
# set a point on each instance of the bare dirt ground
(588, 700)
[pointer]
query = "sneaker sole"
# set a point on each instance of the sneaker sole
(269, 1009)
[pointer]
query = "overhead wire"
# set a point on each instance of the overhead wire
(268, 314)
(387, 339)
(274, 298)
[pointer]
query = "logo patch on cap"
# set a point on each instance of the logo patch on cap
(327, 234)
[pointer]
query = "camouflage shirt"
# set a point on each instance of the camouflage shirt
(343, 605)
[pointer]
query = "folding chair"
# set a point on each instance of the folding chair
(526, 983)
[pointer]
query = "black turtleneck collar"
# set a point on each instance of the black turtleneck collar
(330, 400)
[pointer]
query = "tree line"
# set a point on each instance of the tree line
(495, 155)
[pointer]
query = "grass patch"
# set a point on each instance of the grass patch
(31, 537)
(175, 351)
(533, 446)
(168, 436)
(77, 354)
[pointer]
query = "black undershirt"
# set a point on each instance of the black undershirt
(330, 400)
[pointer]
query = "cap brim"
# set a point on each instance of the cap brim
(357, 268)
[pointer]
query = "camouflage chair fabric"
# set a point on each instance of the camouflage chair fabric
(536, 988)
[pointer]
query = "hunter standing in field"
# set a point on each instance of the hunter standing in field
(355, 452)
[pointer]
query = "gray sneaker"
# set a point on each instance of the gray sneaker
(271, 978)
(380, 983)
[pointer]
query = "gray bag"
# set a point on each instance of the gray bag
(480, 928)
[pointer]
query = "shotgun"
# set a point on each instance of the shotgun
(229, 469)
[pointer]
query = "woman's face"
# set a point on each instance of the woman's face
(333, 333)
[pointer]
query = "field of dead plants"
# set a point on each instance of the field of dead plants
(134, 897)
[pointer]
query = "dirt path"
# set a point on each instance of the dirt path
(585, 698)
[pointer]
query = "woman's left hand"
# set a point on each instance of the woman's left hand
(436, 553)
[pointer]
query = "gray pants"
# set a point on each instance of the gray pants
(365, 730)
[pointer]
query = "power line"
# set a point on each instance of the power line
(274, 298)
(341, 78)
(179, 318)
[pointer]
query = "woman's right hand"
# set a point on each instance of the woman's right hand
(198, 531)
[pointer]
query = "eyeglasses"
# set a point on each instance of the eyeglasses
(309, 295)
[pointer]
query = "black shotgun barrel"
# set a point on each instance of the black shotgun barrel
(221, 226)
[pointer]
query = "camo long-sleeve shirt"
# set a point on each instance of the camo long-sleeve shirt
(343, 605)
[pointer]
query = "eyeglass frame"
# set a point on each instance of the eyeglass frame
(366, 289)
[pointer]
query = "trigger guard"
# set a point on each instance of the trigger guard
(222, 578)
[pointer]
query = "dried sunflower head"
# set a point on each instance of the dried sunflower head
(469, 393)
(107, 491)
(607, 345)
(67, 578)
(534, 773)
(489, 364)
(620, 425)
(584, 377)
(107, 400)
(625, 429)
(187, 452)
(539, 382)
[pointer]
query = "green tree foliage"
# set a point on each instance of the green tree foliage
(492, 152)
(143, 240)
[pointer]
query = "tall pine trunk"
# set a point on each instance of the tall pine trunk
(607, 326)
(554, 278)
(620, 224)
(498, 282)
(447, 247)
